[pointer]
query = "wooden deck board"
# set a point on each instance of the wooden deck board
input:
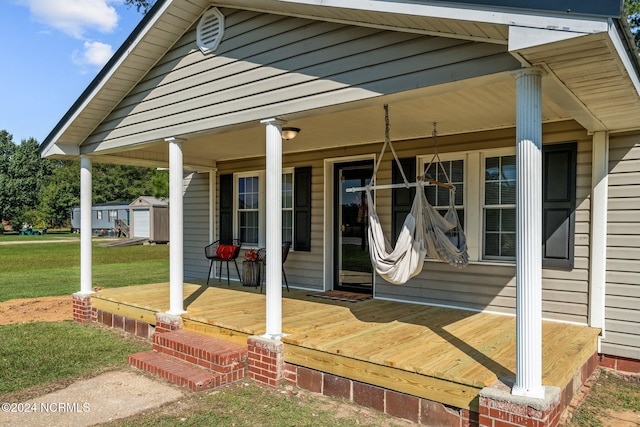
(444, 354)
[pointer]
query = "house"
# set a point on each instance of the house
(532, 107)
(104, 217)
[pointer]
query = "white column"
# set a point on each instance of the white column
(598, 247)
(176, 240)
(529, 234)
(86, 201)
(274, 229)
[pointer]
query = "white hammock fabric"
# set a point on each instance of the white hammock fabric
(398, 265)
(423, 233)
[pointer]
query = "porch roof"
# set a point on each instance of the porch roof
(592, 77)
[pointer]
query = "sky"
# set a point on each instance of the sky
(51, 51)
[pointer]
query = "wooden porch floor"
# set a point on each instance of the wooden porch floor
(442, 354)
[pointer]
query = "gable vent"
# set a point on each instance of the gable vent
(210, 30)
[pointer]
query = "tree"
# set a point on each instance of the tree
(141, 5)
(26, 175)
(632, 12)
(61, 193)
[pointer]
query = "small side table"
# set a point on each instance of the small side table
(250, 273)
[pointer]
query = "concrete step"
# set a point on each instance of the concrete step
(176, 371)
(207, 352)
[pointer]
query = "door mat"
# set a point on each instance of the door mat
(342, 296)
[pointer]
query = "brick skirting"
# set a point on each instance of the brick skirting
(416, 409)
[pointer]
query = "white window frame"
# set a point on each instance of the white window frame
(113, 215)
(484, 154)
(99, 215)
(290, 171)
(473, 198)
(261, 208)
(262, 224)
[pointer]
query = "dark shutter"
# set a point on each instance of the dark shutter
(558, 204)
(302, 209)
(401, 198)
(226, 208)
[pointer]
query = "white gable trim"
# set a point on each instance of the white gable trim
(578, 24)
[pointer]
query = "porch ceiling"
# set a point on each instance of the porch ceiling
(468, 106)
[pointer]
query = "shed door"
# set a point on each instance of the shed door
(141, 223)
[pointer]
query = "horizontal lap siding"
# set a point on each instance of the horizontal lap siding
(303, 269)
(482, 286)
(196, 225)
(269, 65)
(622, 301)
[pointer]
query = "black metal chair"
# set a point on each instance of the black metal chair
(262, 258)
(218, 251)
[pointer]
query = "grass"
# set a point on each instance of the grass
(610, 393)
(246, 404)
(33, 270)
(38, 353)
(14, 236)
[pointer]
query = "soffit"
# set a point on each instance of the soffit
(594, 79)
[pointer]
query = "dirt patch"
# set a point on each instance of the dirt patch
(44, 309)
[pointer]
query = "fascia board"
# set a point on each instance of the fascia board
(581, 24)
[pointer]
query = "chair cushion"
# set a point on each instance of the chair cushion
(226, 251)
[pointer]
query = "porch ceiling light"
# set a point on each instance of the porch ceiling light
(289, 133)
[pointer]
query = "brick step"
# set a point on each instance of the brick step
(176, 371)
(207, 352)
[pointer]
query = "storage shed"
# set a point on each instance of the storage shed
(150, 219)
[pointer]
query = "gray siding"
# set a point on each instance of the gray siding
(196, 224)
(270, 65)
(622, 301)
(481, 285)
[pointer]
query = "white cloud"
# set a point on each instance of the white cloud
(75, 17)
(94, 54)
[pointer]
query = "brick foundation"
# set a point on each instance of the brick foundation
(82, 312)
(266, 360)
(116, 321)
(499, 408)
(619, 363)
(166, 322)
(418, 410)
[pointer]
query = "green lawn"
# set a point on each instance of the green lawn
(36, 270)
(33, 354)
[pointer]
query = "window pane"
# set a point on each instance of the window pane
(287, 226)
(508, 242)
(492, 220)
(492, 193)
(508, 192)
(430, 192)
(287, 190)
(492, 244)
(499, 220)
(508, 220)
(459, 194)
(248, 226)
(457, 171)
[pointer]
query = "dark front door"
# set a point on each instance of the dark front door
(352, 271)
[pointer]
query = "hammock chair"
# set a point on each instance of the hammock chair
(423, 231)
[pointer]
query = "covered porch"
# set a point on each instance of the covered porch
(440, 354)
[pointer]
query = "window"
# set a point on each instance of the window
(113, 215)
(287, 207)
(499, 207)
(248, 207)
(98, 214)
(448, 171)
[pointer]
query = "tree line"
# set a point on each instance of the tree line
(41, 192)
